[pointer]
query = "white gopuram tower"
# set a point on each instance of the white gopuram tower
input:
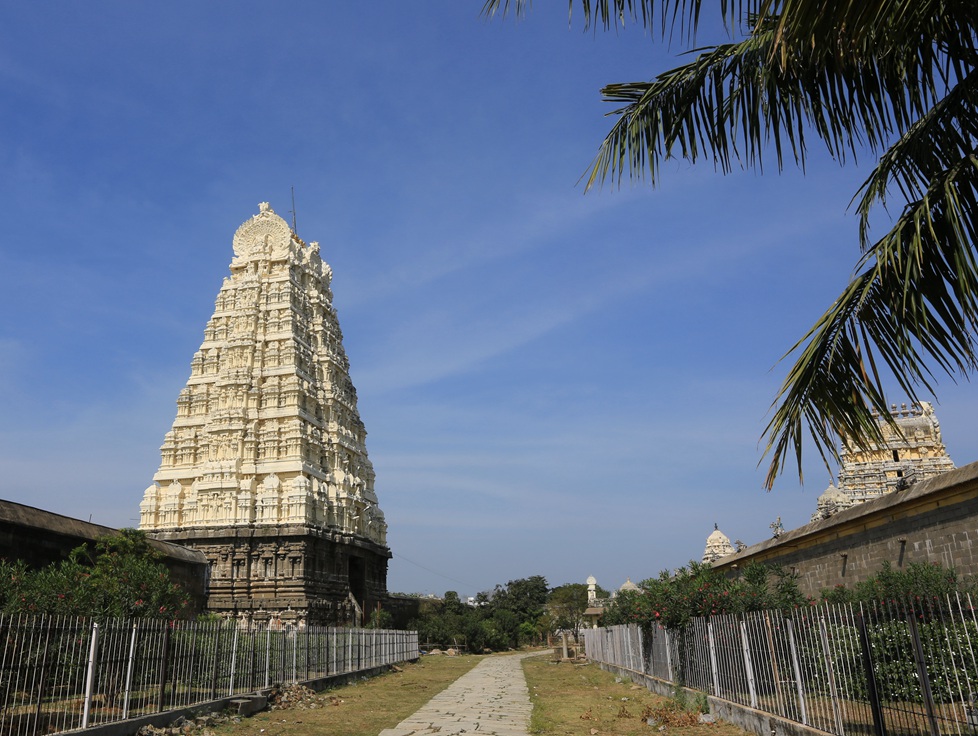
(911, 451)
(265, 470)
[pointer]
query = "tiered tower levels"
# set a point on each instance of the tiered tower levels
(267, 453)
(912, 450)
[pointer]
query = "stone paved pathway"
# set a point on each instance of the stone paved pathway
(490, 700)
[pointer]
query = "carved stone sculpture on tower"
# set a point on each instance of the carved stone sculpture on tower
(265, 469)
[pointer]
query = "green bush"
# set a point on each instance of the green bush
(120, 576)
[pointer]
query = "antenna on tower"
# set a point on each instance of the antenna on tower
(293, 212)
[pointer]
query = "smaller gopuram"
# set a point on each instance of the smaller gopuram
(717, 545)
(911, 451)
(265, 470)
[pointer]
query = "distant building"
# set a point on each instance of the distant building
(595, 606)
(265, 470)
(911, 452)
(628, 586)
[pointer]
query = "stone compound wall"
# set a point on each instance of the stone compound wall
(933, 521)
(41, 538)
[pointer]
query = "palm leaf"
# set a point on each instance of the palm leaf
(894, 77)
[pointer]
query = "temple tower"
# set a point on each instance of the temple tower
(265, 470)
(911, 451)
(717, 546)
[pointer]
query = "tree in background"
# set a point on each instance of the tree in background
(507, 617)
(896, 78)
(566, 605)
(525, 597)
(122, 576)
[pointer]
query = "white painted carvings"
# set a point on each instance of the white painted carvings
(912, 451)
(717, 546)
(267, 429)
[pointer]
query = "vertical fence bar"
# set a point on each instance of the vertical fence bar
(217, 660)
(830, 671)
(796, 669)
(268, 655)
(90, 676)
(234, 658)
(42, 679)
(668, 639)
(879, 724)
(748, 666)
(164, 668)
(295, 649)
(922, 674)
(130, 663)
(713, 657)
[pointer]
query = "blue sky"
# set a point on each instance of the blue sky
(553, 383)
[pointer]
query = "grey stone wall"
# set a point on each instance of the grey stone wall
(41, 538)
(934, 521)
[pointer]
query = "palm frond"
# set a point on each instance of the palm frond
(943, 135)
(856, 31)
(895, 77)
(916, 303)
(733, 103)
(673, 15)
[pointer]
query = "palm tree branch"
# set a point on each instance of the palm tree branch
(943, 135)
(915, 301)
(733, 103)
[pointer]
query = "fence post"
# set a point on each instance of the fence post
(165, 673)
(796, 666)
(922, 674)
(217, 660)
(129, 668)
(672, 677)
(295, 649)
(874, 696)
(748, 665)
(830, 670)
(43, 676)
(713, 657)
(234, 660)
(775, 670)
(268, 654)
(90, 675)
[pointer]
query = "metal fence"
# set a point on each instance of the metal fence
(59, 674)
(888, 668)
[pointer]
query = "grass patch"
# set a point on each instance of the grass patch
(572, 699)
(569, 699)
(362, 709)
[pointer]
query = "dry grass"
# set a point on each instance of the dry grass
(568, 700)
(363, 709)
(583, 700)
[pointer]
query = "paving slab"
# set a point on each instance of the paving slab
(490, 700)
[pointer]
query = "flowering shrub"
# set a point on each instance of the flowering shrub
(699, 590)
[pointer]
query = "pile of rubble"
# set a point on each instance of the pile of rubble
(297, 697)
(301, 698)
(199, 726)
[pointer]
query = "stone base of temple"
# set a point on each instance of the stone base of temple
(289, 575)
